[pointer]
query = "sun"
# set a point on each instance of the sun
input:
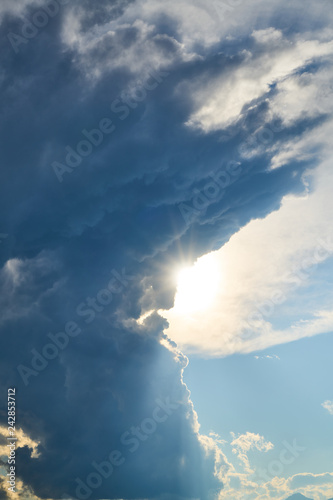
(197, 286)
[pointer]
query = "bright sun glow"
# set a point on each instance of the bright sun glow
(197, 285)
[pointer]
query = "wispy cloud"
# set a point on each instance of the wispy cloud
(267, 356)
(328, 405)
(246, 442)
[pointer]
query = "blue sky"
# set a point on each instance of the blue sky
(166, 248)
(278, 397)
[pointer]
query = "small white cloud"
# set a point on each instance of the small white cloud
(328, 405)
(12, 268)
(273, 356)
(246, 442)
(266, 36)
(249, 441)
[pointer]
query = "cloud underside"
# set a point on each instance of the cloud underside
(268, 270)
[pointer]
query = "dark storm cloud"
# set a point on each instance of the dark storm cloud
(118, 209)
(3, 492)
(123, 376)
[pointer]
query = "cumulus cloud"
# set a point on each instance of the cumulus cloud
(117, 211)
(243, 480)
(259, 268)
(328, 405)
(244, 443)
(221, 102)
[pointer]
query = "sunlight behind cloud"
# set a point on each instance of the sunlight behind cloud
(232, 299)
(198, 285)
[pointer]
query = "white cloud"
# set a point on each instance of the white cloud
(244, 481)
(267, 35)
(309, 147)
(198, 26)
(220, 102)
(22, 491)
(328, 405)
(267, 265)
(246, 442)
(101, 48)
(205, 23)
(274, 356)
(17, 8)
(307, 479)
(304, 96)
(22, 440)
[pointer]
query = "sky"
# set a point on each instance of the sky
(166, 249)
